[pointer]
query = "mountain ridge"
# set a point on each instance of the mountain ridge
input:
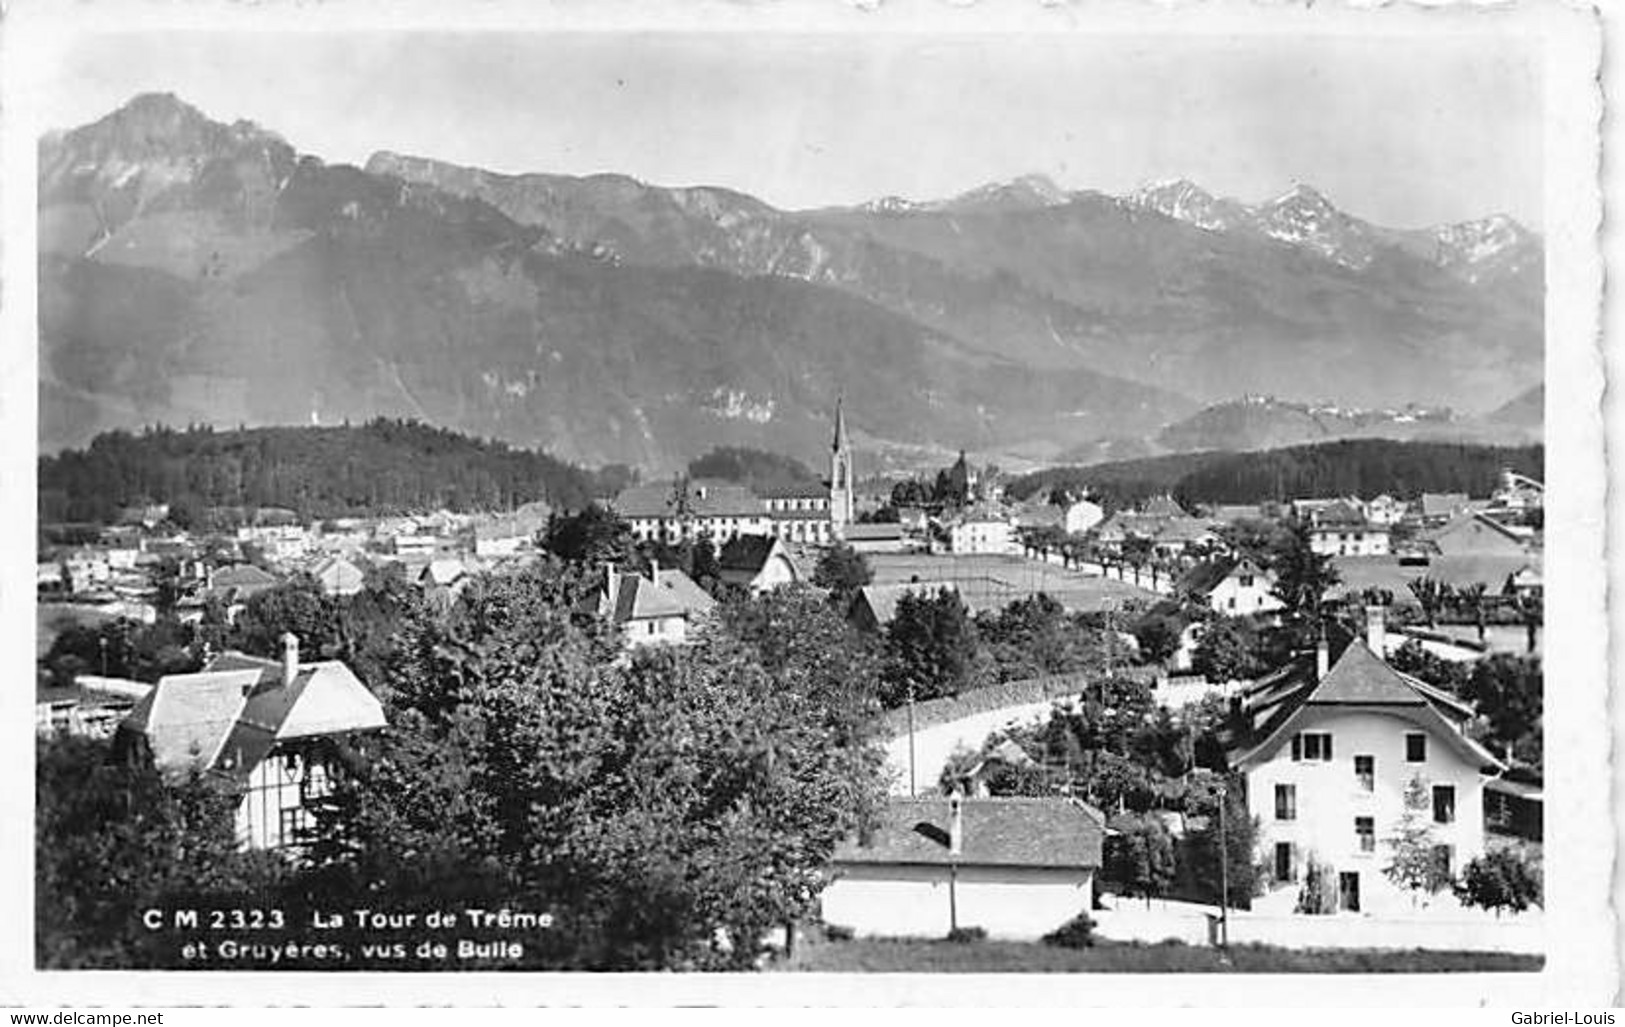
(625, 322)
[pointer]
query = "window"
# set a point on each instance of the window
(1246, 581)
(290, 822)
(1444, 804)
(1365, 772)
(1312, 745)
(1231, 602)
(1283, 861)
(1416, 748)
(1286, 802)
(1365, 829)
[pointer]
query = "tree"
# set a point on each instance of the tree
(594, 536)
(1318, 896)
(1203, 852)
(1415, 659)
(842, 570)
(111, 841)
(1140, 857)
(1230, 649)
(668, 811)
(1414, 864)
(1302, 576)
(1507, 692)
(1501, 879)
(298, 606)
(932, 646)
(1158, 636)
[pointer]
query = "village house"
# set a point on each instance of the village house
(1439, 507)
(1474, 534)
(338, 576)
(278, 730)
(885, 537)
(1385, 510)
(661, 609)
(1016, 867)
(1231, 586)
(757, 563)
(687, 510)
(982, 529)
(1342, 530)
(1329, 752)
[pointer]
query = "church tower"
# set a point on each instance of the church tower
(840, 478)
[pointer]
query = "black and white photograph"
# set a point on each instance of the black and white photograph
(752, 498)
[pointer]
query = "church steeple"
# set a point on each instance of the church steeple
(840, 477)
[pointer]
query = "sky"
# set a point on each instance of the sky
(1405, 131)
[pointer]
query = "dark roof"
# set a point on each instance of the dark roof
(1283, 699)
(706, 498)
(243, 575)
(1205, 576)
(746, 553)
(797, 490)
(1016, 832)
(881, 532)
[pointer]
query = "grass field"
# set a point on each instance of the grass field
(893, 955)
(988, 581)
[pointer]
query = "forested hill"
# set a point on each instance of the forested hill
(381, 467)
(1360, 467)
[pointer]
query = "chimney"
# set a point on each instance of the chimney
(1323, 657)
(654, 569)
(1376, 631)
(956, 823)
(290, 657)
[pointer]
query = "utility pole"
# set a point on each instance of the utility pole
(1224, 875)
(912, 793)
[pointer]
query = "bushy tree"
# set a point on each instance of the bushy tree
(1158, 637)
(1318, 896)
(931, 645)
(1508, 693)
(1501, 879)
(111, 841)
(1140, 857)
(842, 570)
(668, 811)
(298, 606)
(1229, 649)
(1414, 659)
(1302, 576)
(1203, 853)
(595, 535)
(1413, 864)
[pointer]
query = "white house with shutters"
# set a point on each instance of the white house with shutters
(1328, 754)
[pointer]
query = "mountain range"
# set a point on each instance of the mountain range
(192, 270)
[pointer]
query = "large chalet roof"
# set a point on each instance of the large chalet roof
(1360, 680)
(705, 498)
(227, 717)
(628, 597)
(1011, 832)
